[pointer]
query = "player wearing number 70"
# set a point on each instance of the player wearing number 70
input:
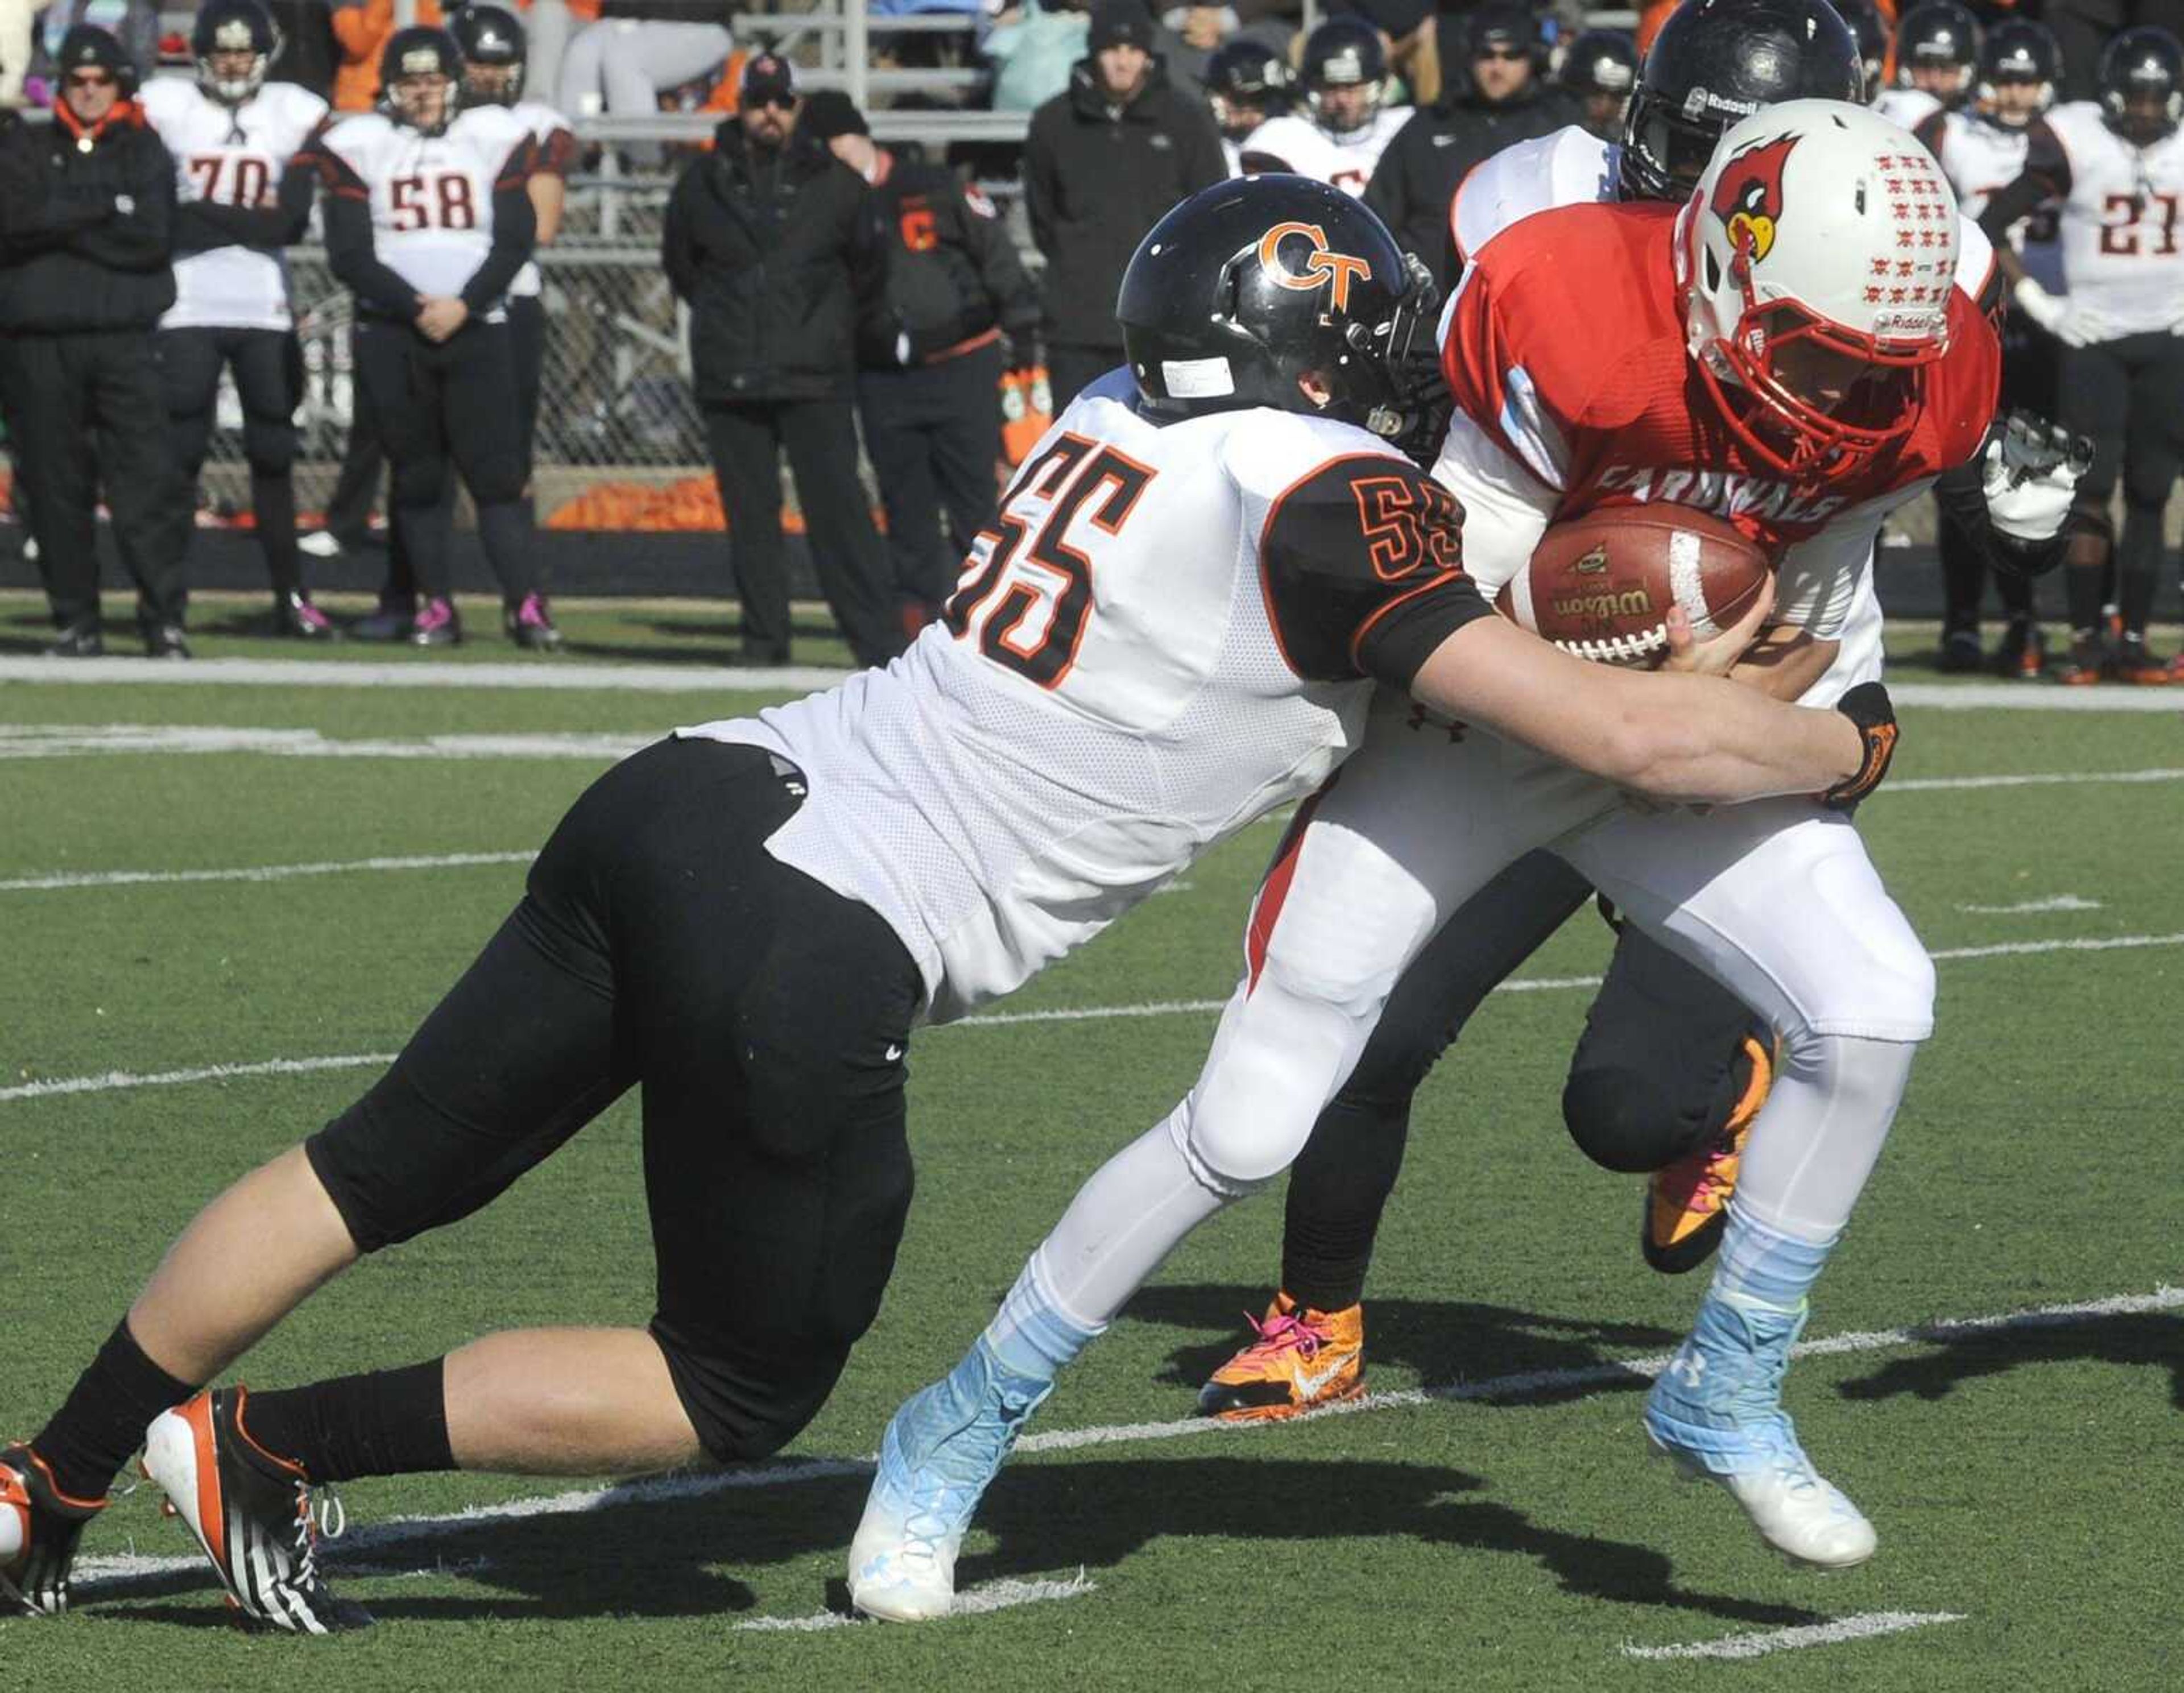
(1195, 584)
(428, 221)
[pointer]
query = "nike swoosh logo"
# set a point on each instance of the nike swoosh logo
(1444, 141)
(893, 1052)
(1308, 1387)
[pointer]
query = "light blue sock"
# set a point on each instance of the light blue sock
(1031, 1337)
(1760, 1265)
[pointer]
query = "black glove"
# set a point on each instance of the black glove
(1869, 706)
(1020, 350)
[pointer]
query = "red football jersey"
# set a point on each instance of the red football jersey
(1566, 344)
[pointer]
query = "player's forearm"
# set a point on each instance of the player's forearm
(1785, 662)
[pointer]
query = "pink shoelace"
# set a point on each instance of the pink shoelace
(1280, 1334)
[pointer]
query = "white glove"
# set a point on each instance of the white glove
(2069, 321)
(2029, 473)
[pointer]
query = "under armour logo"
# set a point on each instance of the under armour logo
(1688, 1367)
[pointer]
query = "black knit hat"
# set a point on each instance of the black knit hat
(829, 113)
(88, 45)
(1117, 23)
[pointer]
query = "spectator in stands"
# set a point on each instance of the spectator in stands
(619, 64)
(1034, 47)
(547, 23)
(766, 241)
(134, 23)
(86, 224)
(2084, 28)
(1501, 97)
(1103, 162)
(361, 28)
(309, 53)
(957, 310)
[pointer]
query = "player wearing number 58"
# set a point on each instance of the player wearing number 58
(428, 221)
(86, 222)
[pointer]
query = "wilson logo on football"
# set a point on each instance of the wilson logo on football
(1323, 268)
(1749, 196)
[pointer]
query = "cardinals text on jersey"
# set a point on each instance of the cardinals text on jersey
(1979, 155)
(1169, 631)
(1294, 143)
(431, 195)
(556, 145)
(232, 156)
(2123, 252)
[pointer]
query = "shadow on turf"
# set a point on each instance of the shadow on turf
(1442, 1341)
(666, 1557)
(2144, 1339)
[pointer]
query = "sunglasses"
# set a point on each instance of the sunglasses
(778, 103)
(1506, 55)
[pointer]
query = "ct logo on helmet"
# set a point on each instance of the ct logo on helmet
(1323, 268)
(1748, 195)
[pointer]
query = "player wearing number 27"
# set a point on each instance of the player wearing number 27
(245, 180)
(1788, 350)
(1176, 624)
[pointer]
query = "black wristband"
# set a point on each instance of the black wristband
(1869, 706)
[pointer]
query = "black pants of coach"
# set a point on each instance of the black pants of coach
(766, 1019)
(820, 437)
(452, 405)
(2128, 395)
(85, 412)
(268, 365)
(1656, 1070)
(934, 433)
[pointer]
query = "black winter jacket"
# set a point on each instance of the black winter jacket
(771, 250)
(952, 273)
(1096, 178)
(86, 224)
(1416, 181)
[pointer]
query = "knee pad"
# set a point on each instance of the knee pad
(269, 445)
(740, 1409)
(1624, 1121)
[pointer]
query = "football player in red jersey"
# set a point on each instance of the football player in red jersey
(1789, 352)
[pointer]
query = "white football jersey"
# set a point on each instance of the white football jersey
(430, 196)
(1157, 643)
(1907, 108)
(2123, 253)
(1569, 168)
(231, 156)
(1979, 155)
(557, 148)
(1306, 150)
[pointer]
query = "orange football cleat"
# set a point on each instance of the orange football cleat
(1298, 1361)
(1687, 1203)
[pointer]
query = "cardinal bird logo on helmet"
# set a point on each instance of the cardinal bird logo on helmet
(1749, 196)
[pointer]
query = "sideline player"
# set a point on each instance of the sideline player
(1981, 147)
(1794, 355)
(1175, 626)
(2117, 166)
(429, 219)
(244, 178)
(1937, 46)
(1344, 128)
(1246, 83)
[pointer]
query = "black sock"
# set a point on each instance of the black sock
(103, 1418)
(386, 1423)
(273, 500)
(2082, 584)
(1337, 1189)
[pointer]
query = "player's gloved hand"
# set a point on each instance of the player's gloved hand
(1869, 706)
(2069, 321)
(2029, 472)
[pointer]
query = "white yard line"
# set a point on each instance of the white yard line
(546, 675)
(976, 1601)
(1863, 1627)
(2030, 908)
(262, 872)
(113, 1570)
(112, 1081)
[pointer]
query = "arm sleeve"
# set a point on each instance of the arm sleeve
(515, 232)
(2045, 176)
(355, 260)
(1363, 571)
(142, 237)
(1929, 131)
(202, 224)
(1000, 272)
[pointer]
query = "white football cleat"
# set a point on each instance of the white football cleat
(1797, 1511)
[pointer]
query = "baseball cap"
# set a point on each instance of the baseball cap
(767, 75)
(827, 113)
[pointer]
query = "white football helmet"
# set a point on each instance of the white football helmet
(1816, 259)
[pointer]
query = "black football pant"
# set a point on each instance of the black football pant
(85, 412)
(269, 380)
(1071, 369)
(2128, 395)
(934, 434)
(1655, 1071)
(820, 437)
(2031, 362)
(766, 1019)
(432, 406)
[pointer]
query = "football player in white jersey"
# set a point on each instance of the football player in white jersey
(244, 179)
(1778, 900)
(1937, 45)
(1176, 625)
(1981, 147)
(429, 221)
(1345, 127)
(1246, 83)
(2116, 167)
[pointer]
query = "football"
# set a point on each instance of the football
(1600, 585)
